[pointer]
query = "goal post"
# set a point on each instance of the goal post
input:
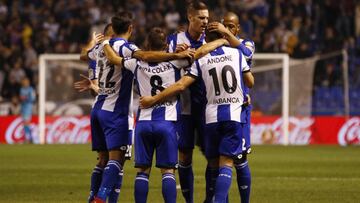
(284, 66)
(43, 59)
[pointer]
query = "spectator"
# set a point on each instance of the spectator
(15, 107)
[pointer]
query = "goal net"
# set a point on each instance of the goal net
(291, 94)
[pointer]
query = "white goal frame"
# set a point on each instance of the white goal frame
(285, 88)
(42, 87)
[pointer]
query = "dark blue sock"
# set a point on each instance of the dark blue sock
(96, 178)
(169, 187)
(211, 175)
(223, 183)
(110, 178)
(244, 181)
(186, 177)
(141, 187)
(115, 192)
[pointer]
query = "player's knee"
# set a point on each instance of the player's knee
(185, 157)
(118, 155)
(226, 161)
(167, 170)
(144, 170)
(103, 158)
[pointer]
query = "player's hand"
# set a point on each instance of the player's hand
(189, 53)
(248, 100)
(181, 47)
(85, 84)
(217, 27)
(146, 102)
(99, 38)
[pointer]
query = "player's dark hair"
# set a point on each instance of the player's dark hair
(106, 28)
(196, 6)
(211, 36)
(156, 39)
(121, 22)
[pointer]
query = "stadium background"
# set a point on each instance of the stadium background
(301, 28)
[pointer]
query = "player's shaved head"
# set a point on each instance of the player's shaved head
(121, 22)
(230, 16)
(231, 22)
(156, 39)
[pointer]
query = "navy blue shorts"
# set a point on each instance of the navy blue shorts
(190, 127)
(156, 135)
(246, 113)
(109, 130)
(223, 138)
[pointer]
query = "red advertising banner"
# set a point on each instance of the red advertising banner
(59, 130)
(264, 130)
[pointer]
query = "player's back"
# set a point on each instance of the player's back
(115, 93)
(221, 73)
(151, 79)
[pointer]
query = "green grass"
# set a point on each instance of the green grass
(61, 173)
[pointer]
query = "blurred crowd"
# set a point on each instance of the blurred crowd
(301, 28)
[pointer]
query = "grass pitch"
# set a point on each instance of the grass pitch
(61, 173)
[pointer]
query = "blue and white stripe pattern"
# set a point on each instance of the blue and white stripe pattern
(152, 78)
(185, 97)
(221, 72)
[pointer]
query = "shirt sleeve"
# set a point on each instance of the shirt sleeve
(182, 63)
(128, 50)
(244, 66)
(92, 70)
(193, 70)
(91, 53)
(172, 42)
(130, 64)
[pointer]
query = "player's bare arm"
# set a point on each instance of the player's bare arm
(84, 51)
(207, 48)
(248, 79)
(218, 27)
(173, 90)
(149, 55)
(160, 56)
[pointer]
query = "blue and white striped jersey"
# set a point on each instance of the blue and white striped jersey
(92, 74)
(220, 71)
(188, 97)
(247, 47)
(115, 94)
(151, 79)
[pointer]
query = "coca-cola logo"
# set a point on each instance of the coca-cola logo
(299, 131)
(349, 133)
(15, 132)
(69, 130)
(62, 130)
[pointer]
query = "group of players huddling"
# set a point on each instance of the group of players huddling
(191, 84)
